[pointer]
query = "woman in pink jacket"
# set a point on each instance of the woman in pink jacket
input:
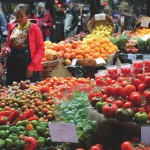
(25, 48)
(44, 20)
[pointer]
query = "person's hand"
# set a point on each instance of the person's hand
(45, 24)
(4, 53)
(29, 73)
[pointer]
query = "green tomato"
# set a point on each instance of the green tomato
(141, 117)
(33, 134)
(9, 143)
(3, 134)
(99, 105)
(22, 128)
(41, 129)
(14, 129)
(34, 123)
(2, 143)
(19, 143)
(48, 141)
(13, 137)
(6, 127)
(46, 134)
(41, 142)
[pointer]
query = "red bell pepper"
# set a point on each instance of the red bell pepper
(15, 114)
(33, 118)
(28, 114)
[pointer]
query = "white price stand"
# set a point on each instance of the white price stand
(145, 23)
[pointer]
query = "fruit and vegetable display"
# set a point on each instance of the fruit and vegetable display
(142, 31)
(126, 98)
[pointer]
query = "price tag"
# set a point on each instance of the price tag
(63, 132)
(74, 61)
(145, 134)
(131, 57)
(100, 61)
(100, 17)
(145, 23)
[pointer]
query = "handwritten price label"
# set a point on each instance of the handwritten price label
(145, 23)
(63, 132)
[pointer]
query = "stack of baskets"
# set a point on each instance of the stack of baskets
(49, 66)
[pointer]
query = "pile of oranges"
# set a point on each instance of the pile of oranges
(91, 49)
(142, 31)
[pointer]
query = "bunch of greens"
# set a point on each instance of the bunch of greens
(76, 111)
(141, 44)
(120, 41)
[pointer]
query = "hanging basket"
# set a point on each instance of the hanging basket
(91, 24)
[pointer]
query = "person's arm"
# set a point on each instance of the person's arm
(40, 50)
(3, 25)
(49, 22)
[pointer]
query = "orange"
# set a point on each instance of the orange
(79, 57)
(68, 45)
(67, 62)
(75, 44)
(59, 54)
(72, 55)
(103, 55)
(86, 55)
(29, 127)
(67, 50)
(96, 55)
(67, 56)
(44, 59)
(61, 47)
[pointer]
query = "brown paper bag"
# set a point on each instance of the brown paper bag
(60, 71)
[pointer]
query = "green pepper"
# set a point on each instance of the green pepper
(13, 137)
(9, 143)
(3, 134)
(34, 123)
(19, 143)
(2, 143)
(41, 142)
(41, 129)
(48, 142)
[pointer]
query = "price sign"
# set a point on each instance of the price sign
(145, 134)
(145, 23)
(100, 17)
(63, 132)
(100, 61)
(74, 61)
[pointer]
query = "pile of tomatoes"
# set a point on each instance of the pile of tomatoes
(126, 95)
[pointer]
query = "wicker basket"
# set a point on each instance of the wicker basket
(138, 22)
(48, 67)
(91, 24)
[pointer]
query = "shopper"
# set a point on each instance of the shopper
(108, 10)
(24, 49)
(71, 20)
(3, 24)
(44, 20)
(127, 19)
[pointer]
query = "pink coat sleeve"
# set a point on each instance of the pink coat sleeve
(37, 48)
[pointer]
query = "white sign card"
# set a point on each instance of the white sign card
(145, 134)
(145, 23)
(63, 132)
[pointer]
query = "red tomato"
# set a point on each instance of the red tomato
(141, 77)
(80, 149)
(141, 88)
(136, 99)
(118, 91)
(147, 107)
(110, 99)
(147, 82)
(30, 143)
(127, 105)
(104, 97)
(97, 147)
(109, 90)
(124, 83)
(127, 145)
(136, 82)
(109, 110)
(119, 103)
(129, 89)
(44, 89)
(146, 94)
(91, 95)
